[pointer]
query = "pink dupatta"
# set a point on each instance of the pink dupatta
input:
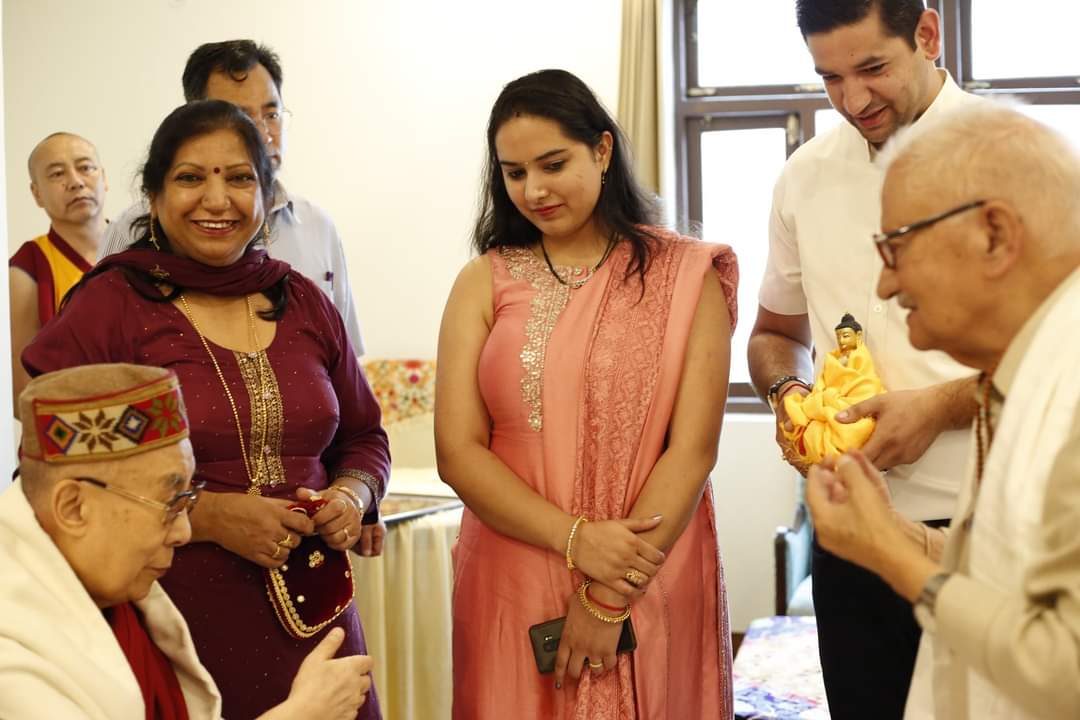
(633, 366)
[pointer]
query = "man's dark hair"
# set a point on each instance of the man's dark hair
(898, 17)
(234, 57)
(849, 322)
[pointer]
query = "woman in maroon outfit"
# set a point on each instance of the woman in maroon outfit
(276, 399)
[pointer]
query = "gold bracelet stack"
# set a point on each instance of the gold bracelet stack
(570, 542)
(352, 494)
(583, 596)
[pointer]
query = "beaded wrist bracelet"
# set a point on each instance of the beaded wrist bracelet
(570, 542)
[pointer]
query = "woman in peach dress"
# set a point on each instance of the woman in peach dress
(582, 375)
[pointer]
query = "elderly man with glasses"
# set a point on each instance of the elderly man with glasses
(85, 533)
(985, 258)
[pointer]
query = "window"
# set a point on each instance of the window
(1006, 43)
(731, 37)
(738, 169)
(747, 97)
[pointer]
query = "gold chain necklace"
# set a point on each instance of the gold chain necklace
(254, 478)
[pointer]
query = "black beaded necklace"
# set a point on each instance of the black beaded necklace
(575, 283)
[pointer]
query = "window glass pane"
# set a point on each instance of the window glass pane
(1007, 43)
(826, 120)
(738, 171)
(751, 43)
(1063, 118)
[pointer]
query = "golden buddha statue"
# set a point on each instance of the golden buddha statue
(847, 378)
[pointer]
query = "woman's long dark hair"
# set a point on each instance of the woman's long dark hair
(183, 124)
(623, 207)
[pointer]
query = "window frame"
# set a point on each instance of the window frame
(705, 109)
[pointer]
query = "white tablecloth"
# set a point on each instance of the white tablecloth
(404, 599)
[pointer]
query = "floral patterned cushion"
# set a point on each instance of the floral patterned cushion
(777, 673)
(404, 388)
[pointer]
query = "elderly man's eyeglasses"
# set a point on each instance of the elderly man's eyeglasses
(180, 503)
(885, 242)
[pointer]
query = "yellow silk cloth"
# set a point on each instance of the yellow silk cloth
(817, 433)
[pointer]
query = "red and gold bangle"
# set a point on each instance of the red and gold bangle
(583, 596)
(610, 608)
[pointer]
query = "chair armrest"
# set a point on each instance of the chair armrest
(791, 552)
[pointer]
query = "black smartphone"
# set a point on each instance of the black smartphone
(545, 638)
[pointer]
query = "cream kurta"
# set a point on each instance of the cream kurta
(1006, 637)
(58, 655)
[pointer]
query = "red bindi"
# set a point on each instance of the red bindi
(217, 171)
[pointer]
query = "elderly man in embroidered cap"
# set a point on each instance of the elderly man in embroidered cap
(982, 247)
(102, 503)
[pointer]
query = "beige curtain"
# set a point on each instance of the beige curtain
(639, 84)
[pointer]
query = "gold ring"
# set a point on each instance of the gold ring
(285, 542)
(594, 666)
(277, 551)
(635, 577)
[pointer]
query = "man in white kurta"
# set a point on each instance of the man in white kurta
(102, 502)
(826, 206)
(982, 247)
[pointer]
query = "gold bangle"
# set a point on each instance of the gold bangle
(570, 542)
(350, 493)
(582, 594)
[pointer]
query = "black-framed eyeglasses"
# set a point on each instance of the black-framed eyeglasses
(180, 503)
(884, 241)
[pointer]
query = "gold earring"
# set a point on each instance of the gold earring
(266, 232)
(153, 238)
(603, 177)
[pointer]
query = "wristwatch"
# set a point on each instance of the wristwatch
(773, 396)
(924, 605)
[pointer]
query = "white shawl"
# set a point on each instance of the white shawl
(58, 655)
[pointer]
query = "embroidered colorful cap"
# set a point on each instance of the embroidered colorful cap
(101, 412)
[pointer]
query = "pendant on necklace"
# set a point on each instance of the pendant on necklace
(582, 277)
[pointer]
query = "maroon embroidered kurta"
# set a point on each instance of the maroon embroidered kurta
(321, 418)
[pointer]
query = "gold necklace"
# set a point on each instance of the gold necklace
(254, 480)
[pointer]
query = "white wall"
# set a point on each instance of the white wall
(390, 102)
(755, 491)
(7, 424)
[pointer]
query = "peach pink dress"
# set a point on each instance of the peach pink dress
(580, 385)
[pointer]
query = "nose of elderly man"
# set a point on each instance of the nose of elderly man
(179, 531)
